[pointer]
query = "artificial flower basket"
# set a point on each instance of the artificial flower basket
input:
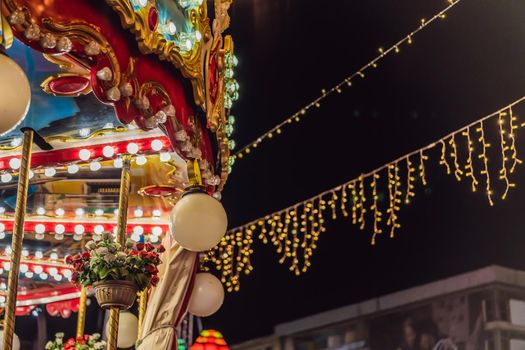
(116, 273)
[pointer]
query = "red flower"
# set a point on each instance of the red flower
(77, 258)
(133, 253)
(139, 246)
(149, 247)
(143, 254)
(161, 249)
(154, 280)
(86, 255)
(74, 278)
(69, 259)
(150, 268)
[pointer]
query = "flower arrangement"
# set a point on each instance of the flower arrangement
(86, 342)
(106, 260)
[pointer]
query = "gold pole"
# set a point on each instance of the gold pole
(125, 185)
(17, 240)
(143, 303)
(81, 321)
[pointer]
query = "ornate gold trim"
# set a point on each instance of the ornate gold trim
(152, 41)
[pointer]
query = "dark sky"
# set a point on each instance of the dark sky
(458, 70)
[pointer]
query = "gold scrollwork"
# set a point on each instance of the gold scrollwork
(152, 41)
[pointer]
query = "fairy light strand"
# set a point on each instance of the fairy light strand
(347, 82)
(299, 226)
(469, 166)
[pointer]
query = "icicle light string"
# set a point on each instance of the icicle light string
(294, 231)
(347, 82)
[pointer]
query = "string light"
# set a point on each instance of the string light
(443, 161)
(458, 173)
(503, 173)
(295, 231)
(469, 167)
(360, 73)
(512, 137)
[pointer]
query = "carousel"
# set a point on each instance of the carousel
(115, 146)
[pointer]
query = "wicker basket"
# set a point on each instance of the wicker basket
(120, 294)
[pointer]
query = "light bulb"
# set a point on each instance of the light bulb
(80, 212)
(40, 228)
(165, 157)
(38, 269)
(58, 277)
(25, 252)
(84, 132)
(39, 255)
(41, 211)
(52, 271)
(6, 177)
(30, 274)
(24, 268)
(157, 145)
(153, 239)
(73, 169)
(50, 172)
(2, 235)
(2, 211)
(84, 154)
(138, 230)
(135, 237)
(7, 266)
(99, 212)
(132, 148)
(156, 213)
(2, 227)
(15, 95)
(43, 276)
(117, 163)
(39, 236)
(108, 151)
(141, 160)
(53, 256)
(157, 230)
(60, 212)
(138, 213)
(95, 166)
(60, 229)
(67, 273)
(99, 229)
(77, 237)
(15, 163)
(80, 229)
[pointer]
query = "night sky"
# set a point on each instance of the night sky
(457, 71)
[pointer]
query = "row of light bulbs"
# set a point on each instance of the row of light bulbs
(41, 271)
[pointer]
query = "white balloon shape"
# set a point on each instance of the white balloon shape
(128, 328)
(198, 222)
(16, 340)
(15, 94)
(207, 295)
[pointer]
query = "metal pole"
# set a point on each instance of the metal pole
(143, 303)
(81, 321)
(125, 186)
(17, 240)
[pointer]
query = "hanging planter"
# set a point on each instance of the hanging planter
(116, 273)
(119, 294)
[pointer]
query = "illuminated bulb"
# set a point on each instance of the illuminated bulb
(139, 3)
(8, 250)
(117, 163)
(2, 227)
(31, 174)
(135, 237)
(80, 229)
(57, 278)
(115, 212)
(97, 238)
(17, 141)
(38, 269)
(2, 299)
(73, 169)
(41, 211)
(3, 286)
(29, 274)
(43, 276)
(52, 271)
(25, 252)
(84, 132)
(168, 28)
(99, 229)
(165, 157)
(99, 212)
(80, 212)
(141, 160)
(39, 255)
(15, 163)
(138, 213)
(60, 229)
(67, 273)
(84, 154)
(198, 36)
(138, 230)
(132, 148)
(2, 235)
(2, 210)
(153, 239)
(95, 166)
(60, 212)
(108, 151)
(157, 230)
(157, 145)
(53, 256)
(50, 172)
(39, 236)
(7, 266)
(24, 268)
(156, 213)
(6, 177)
(40, 228)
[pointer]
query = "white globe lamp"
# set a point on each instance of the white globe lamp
(198, 221)
(207, 295)
(16, 340)
(128, 326)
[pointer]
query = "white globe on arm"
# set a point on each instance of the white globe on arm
(207, 295)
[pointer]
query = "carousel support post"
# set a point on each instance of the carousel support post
(143, 304)
(81, 321)
(17, 240)
(125, 185)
